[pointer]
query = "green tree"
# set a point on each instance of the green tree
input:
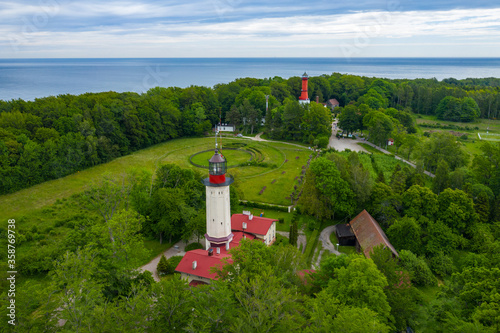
(456, 210)
(264, 304)
(380, 127)
(234, 117)
(442, 179)
(164, 267)
(293, 235)
(105, 198)
(420, 272)
(174, 305)
(76, 292)
(420, 201)
(442, 146)
(406, 234)
(214, 310)
(335, 195)
(361, 284)
(349, 119)
(316, 121)
(482, 207)
(358, 320)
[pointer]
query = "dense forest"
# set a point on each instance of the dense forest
(55, 136)
(446, 229)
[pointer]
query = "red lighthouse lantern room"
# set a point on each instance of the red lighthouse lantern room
(217, 167)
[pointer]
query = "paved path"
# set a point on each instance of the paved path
(258, 138)
(342, 144)
(324, 238)
(301, 238)
(176, 250)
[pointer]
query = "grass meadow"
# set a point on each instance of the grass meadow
(274, 167)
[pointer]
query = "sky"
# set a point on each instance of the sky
(240, 28)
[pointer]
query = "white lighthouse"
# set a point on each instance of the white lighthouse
(218, 206)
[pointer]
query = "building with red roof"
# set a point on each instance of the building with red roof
(195, 266)
(369, 234)
(224, 232)
(261, 227)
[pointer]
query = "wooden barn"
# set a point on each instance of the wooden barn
(369, 234)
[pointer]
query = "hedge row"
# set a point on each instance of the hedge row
(264, 206)
(311, 245)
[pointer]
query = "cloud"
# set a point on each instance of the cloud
(231, 27)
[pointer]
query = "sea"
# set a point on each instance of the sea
(36, 78)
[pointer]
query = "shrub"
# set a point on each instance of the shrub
(265, 206)
(311, 245)
(442, 264)
(174, 261)
(420, 272)
(193, 246)
(281, 240)
(164, 267)
(322, 141)
(281, 220)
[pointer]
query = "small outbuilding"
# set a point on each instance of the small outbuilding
(332, 103)
(345, 236)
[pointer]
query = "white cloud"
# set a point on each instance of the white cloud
(275, 36)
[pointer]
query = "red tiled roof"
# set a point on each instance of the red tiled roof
(203, 263)
(303, 272)
(369, 233)
(195, 283)
(238, 236)
(258, 225)
(333, 101)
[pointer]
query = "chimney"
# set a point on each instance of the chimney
(218, 250)
(244, 225)
(194, 265)
(227, 246)
(250, 217)
(317, 99)
(246, 212)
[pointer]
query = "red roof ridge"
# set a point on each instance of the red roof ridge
(363, 231)
(257, 225)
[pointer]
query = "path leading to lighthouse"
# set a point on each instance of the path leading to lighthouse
(176, 250)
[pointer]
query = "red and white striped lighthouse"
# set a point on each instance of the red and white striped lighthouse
(218, 203)
(304, 97)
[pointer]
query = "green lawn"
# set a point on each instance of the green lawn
(233, 157)
(472, 144)
(252, 178)
(342, 249)
(370, 148)
(483, 124)
(155, 248)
